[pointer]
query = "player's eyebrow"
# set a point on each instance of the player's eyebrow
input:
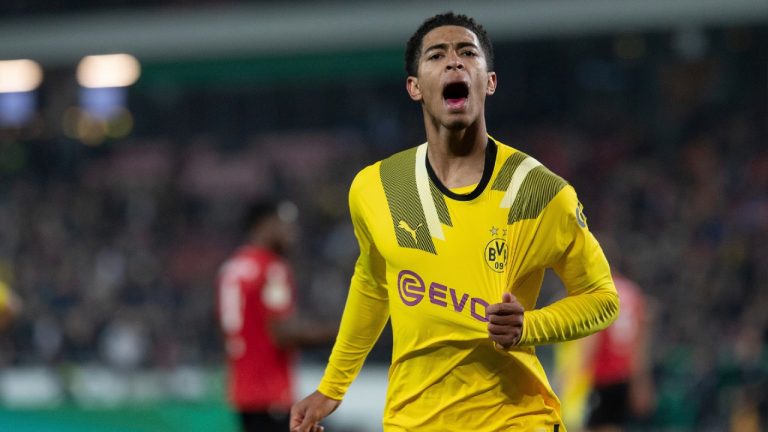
(442, 45)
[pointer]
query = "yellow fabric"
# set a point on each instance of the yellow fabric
(463, 190)
(445, 372)
(573, 381)
(5, 294)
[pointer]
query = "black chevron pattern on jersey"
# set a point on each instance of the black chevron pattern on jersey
(505, 173)
(537, 190)
(398, 178)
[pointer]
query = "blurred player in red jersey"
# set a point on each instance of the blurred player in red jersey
(620, 359)
(257, 299)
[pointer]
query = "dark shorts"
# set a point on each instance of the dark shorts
(264, 422)
(610, 406)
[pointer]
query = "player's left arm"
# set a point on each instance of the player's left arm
(298, 331)
(289, 327)
(591, 303)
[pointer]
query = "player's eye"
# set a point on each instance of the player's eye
(469, 53)
(435, 56)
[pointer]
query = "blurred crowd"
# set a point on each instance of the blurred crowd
(114, 249)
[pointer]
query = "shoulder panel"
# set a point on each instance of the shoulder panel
(398, 178)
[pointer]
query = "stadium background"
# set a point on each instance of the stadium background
(112, 225)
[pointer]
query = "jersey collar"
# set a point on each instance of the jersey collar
(490, 161)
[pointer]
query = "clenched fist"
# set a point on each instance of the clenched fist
(505, 321)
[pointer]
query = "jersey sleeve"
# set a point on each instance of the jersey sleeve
(367, 308)
(591, 303)
(278, 293)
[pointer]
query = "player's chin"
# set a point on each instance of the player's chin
(456, 123)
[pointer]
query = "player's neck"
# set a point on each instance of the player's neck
(457, 156)
(264, 241)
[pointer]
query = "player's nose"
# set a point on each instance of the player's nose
(454, 62)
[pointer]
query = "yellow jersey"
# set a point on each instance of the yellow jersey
(432, 260)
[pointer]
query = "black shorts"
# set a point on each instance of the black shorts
(610, 406)
(251, 421)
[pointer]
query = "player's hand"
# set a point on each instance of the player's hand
(307, 413)
(505, 321)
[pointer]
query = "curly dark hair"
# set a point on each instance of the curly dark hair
(413, 48)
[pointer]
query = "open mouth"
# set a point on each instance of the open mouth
(456, 94)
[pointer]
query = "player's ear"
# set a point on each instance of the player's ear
(412, 86)
(491, 88)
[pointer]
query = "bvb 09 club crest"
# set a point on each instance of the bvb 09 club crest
(496, 251)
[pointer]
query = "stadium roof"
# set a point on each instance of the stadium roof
(248, 30)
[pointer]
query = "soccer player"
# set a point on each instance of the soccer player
(256, 311)
(621, 372)
(455, 235)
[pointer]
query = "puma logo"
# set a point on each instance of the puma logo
(412, 231)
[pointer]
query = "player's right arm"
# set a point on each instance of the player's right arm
(365, 314)
(306, 414)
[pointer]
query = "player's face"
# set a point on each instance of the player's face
(453, 78)
(286, 229)
(287, 235)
